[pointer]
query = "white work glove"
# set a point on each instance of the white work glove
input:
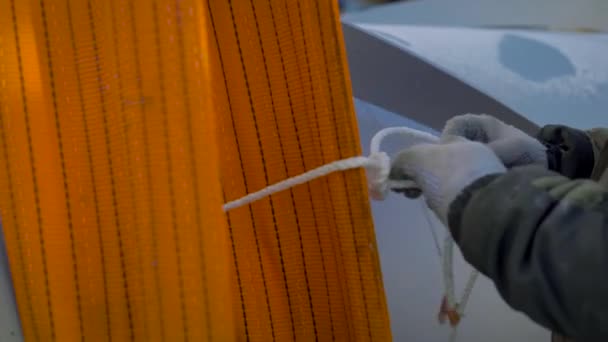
(443, 171)
(511, 145)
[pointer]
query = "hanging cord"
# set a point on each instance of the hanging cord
(378, 167)
(463, 302)
(447, 263)
(448, 272)
(431, 226)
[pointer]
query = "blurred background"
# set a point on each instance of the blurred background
(355, 5)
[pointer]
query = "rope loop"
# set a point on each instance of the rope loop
(378, 167)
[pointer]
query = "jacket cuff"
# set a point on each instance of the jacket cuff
(456, 209)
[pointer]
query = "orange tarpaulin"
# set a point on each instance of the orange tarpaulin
(124, 126)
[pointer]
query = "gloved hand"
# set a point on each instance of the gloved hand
(443, 171)
(511, 145)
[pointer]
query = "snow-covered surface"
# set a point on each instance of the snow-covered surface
(554, 14)
(548, 77)
(411, 266)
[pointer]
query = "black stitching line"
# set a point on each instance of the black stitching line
(127, 144)
(323, 159)
(230, 230)
(356, 175)
(111, 166)
(63, 167)
(34, 173)
(66, 191)
(238, 274)
(236, 34)
(148, 167)
(293, 202)
(193, 168)
(91, 169)
(30, 142)
(9, 174)
(312, 311)
(320, 150)
(341, 156)
(17, 229)
(170, 177)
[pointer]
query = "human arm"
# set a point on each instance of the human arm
(543, 240)
(539, 236)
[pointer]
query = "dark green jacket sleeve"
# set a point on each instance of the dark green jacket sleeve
(543, 239)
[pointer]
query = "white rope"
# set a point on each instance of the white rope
(431, 226)
(453, 334)
(461, 305)
(377, 166)
(448, 272)
(447, 263)
(419, 137)
(468, 289)
(340, 165)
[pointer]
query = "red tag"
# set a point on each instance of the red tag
(447, 313)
